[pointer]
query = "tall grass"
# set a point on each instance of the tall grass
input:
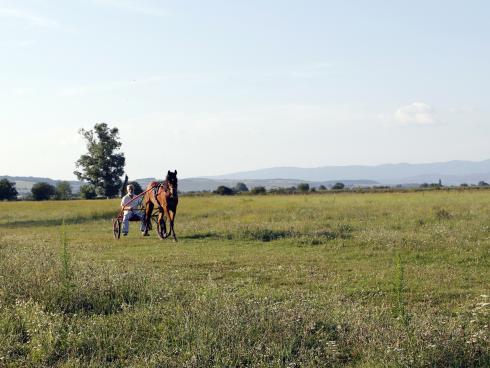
(66, 269)
(399, 289)
(362, 280)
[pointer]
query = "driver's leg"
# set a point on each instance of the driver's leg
(125, 227)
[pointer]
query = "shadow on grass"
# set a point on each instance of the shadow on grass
(268, 235)
(208, 235)
(57, 221)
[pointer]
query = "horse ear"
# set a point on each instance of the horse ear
(168, 172)
(175, 172)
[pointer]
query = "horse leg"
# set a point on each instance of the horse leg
(171, 218)
(161, 225)
(173, 231)
(148, 211)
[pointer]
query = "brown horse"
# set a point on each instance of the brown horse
(165, 197)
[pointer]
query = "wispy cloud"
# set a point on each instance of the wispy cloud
(26, 16)
(311, 70)
(464, 109)
(417, 113)
(26, 43)
(110, 86)
(133, 7)
(23, 91)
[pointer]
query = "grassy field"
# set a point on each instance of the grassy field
(356, 280)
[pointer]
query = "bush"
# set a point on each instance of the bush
(7, 190)
(87, 191)
(338, 186)
(483, 184)
(63, 190)
(303, 187)
(322, 187)
(258, 190)
(222, 190)
(241, 187)
(43, 191)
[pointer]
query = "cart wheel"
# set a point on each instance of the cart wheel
(116, 225)
(161, 229)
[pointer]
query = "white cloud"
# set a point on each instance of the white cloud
(133, 7)
(417, 113)
(32, 19)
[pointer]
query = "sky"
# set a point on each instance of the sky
(212, 87)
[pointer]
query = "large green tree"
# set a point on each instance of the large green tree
(7, 190)
(103, 164)
(63, 190)
(43, 191)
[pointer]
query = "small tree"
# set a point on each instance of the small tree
(7, 190)
(63, 190)
(124, 187)
(483, 184)
(87, 191)
(303, 187)
(42, 191)
(102, 166)
(258, 190)
(338, 186)
(222, 190)
(322, 187)
(241, 187)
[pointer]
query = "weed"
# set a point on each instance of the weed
(442, 214)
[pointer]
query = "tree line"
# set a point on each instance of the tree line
(301, 188)
(101, 169)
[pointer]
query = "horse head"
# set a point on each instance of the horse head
(172, 181)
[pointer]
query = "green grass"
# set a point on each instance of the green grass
(358, 280)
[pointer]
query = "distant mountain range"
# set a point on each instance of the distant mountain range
(450, 173)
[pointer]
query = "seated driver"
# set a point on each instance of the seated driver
(131, 210)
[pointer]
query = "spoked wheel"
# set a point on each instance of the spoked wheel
(116, 226)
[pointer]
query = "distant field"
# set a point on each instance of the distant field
(356, 280)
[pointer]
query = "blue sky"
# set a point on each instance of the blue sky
(222, 86)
